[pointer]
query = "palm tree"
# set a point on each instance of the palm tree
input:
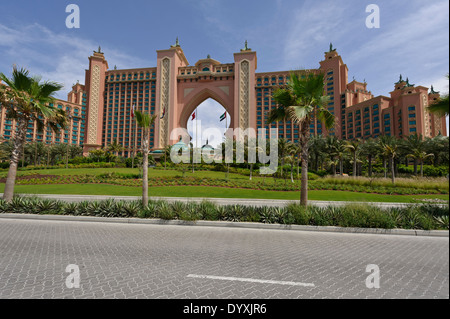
(27, 100)
(115, 147)
(317, 150)
(420, 156)
(299, 101)
(97, 154)
(166, 155)
(439, 146)
(145, 121)
(389, 149)
(441, 106)
(413, 144)
(353, 146)
(369, 149)
(283, 152)
(330, 150)
(335, 148)
(251, 147)
(292, 152)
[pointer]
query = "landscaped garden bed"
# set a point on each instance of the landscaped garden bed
(426, 217)
(362, 185)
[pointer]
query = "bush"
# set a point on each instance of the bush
(428, 170)
(363, 216)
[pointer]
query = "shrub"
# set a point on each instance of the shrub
(412, 217)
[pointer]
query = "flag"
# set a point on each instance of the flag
(132, 111)
(223, 116)
(163, 114)
(193, 116)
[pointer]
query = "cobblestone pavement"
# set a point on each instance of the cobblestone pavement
(161, 261)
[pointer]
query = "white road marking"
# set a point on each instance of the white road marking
(275, 282)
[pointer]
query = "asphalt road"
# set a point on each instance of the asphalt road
(187, 262)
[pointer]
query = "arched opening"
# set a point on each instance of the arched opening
(209, 123)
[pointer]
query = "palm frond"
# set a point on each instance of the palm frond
(326, 118)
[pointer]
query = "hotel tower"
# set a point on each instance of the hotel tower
(100, 110)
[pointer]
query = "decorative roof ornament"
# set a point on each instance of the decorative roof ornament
(207, 146)
(99, 50)
(176, 45)
(432, 91)
(246, 48)
(407, 83)
(208, 56)
(400, 80)
(331, 48)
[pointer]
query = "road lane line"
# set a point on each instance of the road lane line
(275, 282)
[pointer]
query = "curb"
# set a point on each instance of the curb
(245, 225)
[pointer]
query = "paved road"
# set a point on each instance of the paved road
(162, 261)
(218, 201)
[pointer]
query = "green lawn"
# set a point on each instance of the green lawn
(151, 173)
(213, 192)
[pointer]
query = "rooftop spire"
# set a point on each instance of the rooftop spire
(432, 91)
(246, 48)
(331, 47)
(176, 45)
(400, 80)
(407, 83)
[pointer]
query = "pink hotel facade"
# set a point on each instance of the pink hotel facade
(100, 110)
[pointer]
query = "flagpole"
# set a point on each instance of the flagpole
(196, 127)
(226, 124)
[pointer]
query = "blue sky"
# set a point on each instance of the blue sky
(287, 34)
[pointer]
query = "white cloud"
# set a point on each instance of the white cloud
(313, 24)
(414, 44)
(55, 56)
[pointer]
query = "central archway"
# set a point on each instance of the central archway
(209, 124)
(197, 97)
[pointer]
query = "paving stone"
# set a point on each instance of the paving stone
(153, 261)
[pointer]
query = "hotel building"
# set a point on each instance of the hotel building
(101, 110)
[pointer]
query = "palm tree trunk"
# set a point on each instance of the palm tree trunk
(304, 157)
(145, 172)
(19, 142)
(292, 171)
(251, 170)
(341, 166)
(354, 165)
(421, 168)
(385, 167)
(370, 165)
(392, 170)
(304, 181)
